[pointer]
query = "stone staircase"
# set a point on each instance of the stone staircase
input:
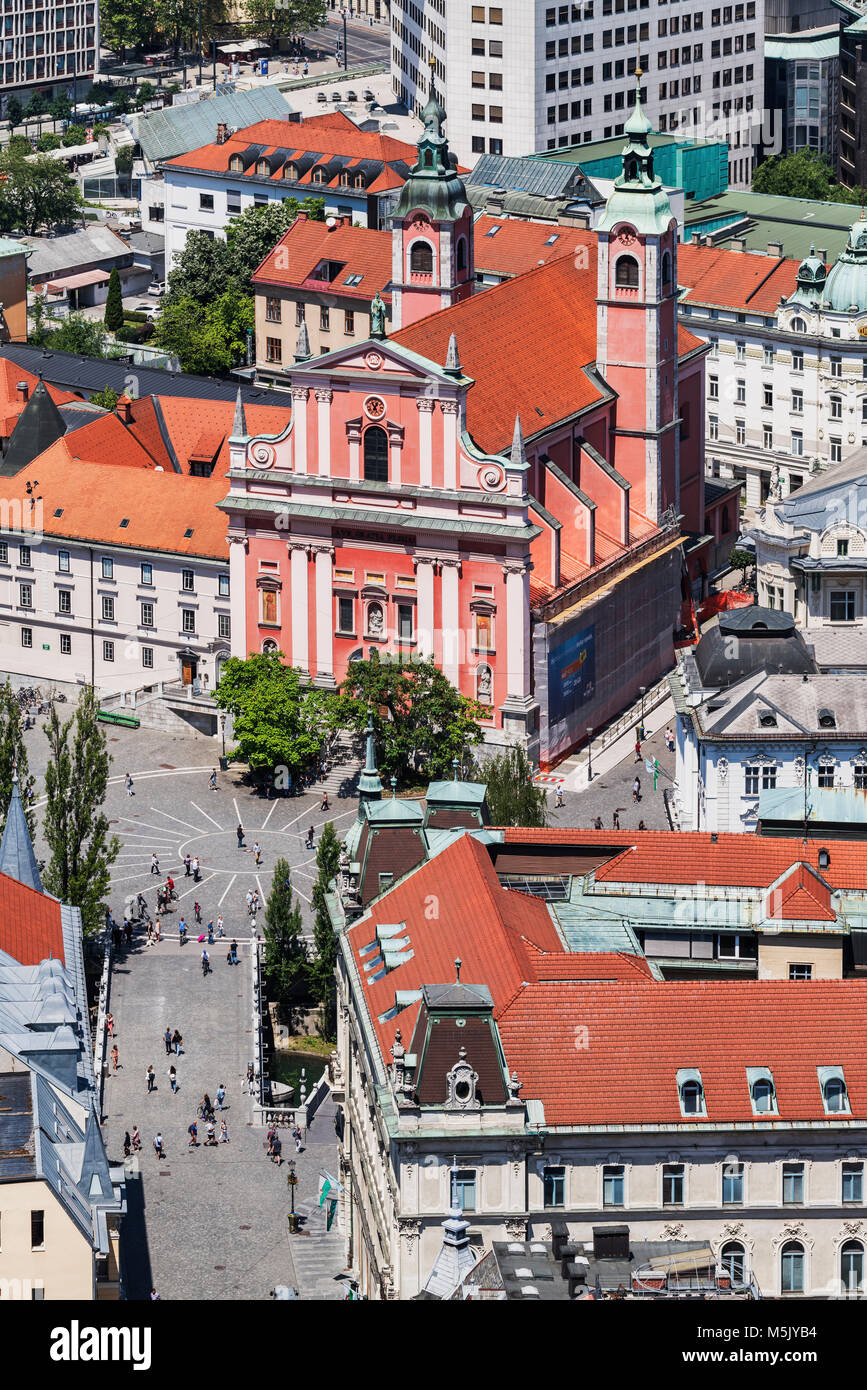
(346, 764)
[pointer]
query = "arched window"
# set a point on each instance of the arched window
(692, 1098)
(359, 180)
(376, 455)
(318, 176)
(626, 273)
(733, 1259)
(725, 524)
(462, 254)
(263, 167)
(799, 326)
(764, 1100)
(852, 1267)
(236, 164)
(792, 1267)
(631, 168)
(344, 178)
(834, 1092)
(666, 269)
(291, 172)
(421, 258)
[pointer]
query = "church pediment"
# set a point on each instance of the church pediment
(378, 359)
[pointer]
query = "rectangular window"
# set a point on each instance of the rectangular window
(751, 780)
(767, 437)
(108, 610)
(233, 202)
(107, 567)
(27, 636)
(733, 1184)
(404, 622)
(63, 561)
(740, 351)
(147, 615)
(273, 350)
(713, 388)
(741, 394)
(65, 644)
(800, 971)
(612, 1185)
(345, 615)
(740, 432)
(188, 581)
(273, 308)
(797, 360)
(147, 574)
(324, 318)
(767, 356)
(836, 366)
(108, 651)
(188, 620)
(37, 1230)
(349, 322)
(4, 552)
(853, 1182)
(464, 1189)
(147, 657)
(26, 595)
(224, 626)
(206, 202)
(842, 606)
(797, 402)
(793, 1184)
(767, 397)
(554, 1187)
(797, 443)
(24, 556)
(64, 600)
(672, 1184)
(835, 449)
(713, 427)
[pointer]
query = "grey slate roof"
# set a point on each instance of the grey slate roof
(17, 1139)
(818, 503)
(16, 848)
(838, 649)
(61, 255)
(525, 174)
(795, 702)
(179, 129)
(747, 640)
(38, 426)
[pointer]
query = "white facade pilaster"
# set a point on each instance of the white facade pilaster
(450, 442)
(323, 430)
(451, 630)
(299, 427)
(324, 614)
(298, 593)
(424, 572)
(238, 594)
(425, 406)
(517, 630)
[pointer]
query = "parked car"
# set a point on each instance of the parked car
(153, 311)
(157, 287)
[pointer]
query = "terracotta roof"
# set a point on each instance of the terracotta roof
(623, 1069)
(30, 926)
(106, 440)
(146, 428)
(734, 279)
(693, 856)
(10, 406)
(185, 419)
(363, 251)
(94, 498)
(516, 246)
(801, 895)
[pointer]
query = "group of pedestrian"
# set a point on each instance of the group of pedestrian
(191, 867)
(253, 902)
(131, 1142)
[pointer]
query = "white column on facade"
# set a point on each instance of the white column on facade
(424, 572)
(425, 406)
(238, 594)
(450, 443)
(353, 437)
(298, 598)
(299, 428)
(323, 429)
(324, 614)
(517, 629)
(395, 443)
(450, 574)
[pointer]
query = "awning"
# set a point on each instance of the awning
(77, 282)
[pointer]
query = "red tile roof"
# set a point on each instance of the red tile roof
(517, 246)
(734, 279)
(107, 440)
(30, 926)
(801, 895)
(10, 405)
(363, 250)
(692, 856)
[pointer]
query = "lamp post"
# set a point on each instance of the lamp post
(589, 753)
(223, 732)
(200, 43)
(292, 1183)
(345, 55)
(643, 689)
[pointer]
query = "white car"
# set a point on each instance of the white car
(153, 311)
(157, 287)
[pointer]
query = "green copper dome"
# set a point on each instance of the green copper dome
(434, 184)
(846, 286)
(638, 197)
(812, 274)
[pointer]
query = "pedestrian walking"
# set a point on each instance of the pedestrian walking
(636, 790)
(209, 1131)
(155, 863)
(221, 1095)
(206, 963)
(257, 853)
(224, 1132)
(196, 874)
(597, 824)
(114, 1059)
(127, 931)
(167, 1038)
(669, 739)
(210, 933)
(193, 1132)
(240, 834)
(109, 1023)
(197, 913)
(115, 936)
(249, 901)
(176, 1042)
(310, 838)
(155, 1298)
(212, 780)
(277, 1150)
(150, 932)
(324, 806)
(559, 797)
(188, 865)
(156, 927)
(638, 750)
(136, 1139)
(220, 931)
(129, 790)
(182, 926)
(233, 951)
(151, 1079)
(251, 1079)
(615, 820)
(158, 1146)
(173, 1078)
(127, 1145)
(641, 825)
(296, 1135)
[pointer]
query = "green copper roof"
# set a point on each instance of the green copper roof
(434, 185)
(846, 286)
(638, 197)
(812, 274)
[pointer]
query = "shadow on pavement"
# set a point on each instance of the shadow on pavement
(135, 1259)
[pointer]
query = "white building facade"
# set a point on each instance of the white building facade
(528, 75)
(115, 617)
(48, 46)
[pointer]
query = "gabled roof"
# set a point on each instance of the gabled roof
(363, 251)
(734, 279)
(509, 246)
(800, 894)
(17, 859)
(31, 929)
(39, 425)
(176, 129)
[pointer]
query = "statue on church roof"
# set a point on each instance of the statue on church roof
(377, 317)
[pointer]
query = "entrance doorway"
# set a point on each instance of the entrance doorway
(189, 669)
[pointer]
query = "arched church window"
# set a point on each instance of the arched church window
(421, 258)
(666, 269)
(626, 273)
(799, 326)
(375, 455)
(462, 254)
(631, 169)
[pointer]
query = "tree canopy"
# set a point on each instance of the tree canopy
(422, 722)
(806, 174)
(321, 968)
(285, 951)
(289, 17)
(512, 797)
(73, 334)
(207, 339)
(36, 193)
(278, 719)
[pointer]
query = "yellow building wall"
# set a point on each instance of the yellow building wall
(63, 1267)
(777, 953)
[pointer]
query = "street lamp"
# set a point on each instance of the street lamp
(223, 732)
(345, 54)
(589, 753)
(292, 1183)
(643, 689)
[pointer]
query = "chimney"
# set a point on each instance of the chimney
(22, 391)
(124, 409)
(823, 254)
(222, 131)
(775, 248)
(495, 202)
(738, 243)
(611, 1242)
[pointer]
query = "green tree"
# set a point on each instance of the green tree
(806, 174)
(14, 112)
(288, 17)
(426, 722)
(74, 135)
(511, 796)
(203, 264)
(13, 756)
(60, 107)
(278, 719)
(48, 141)
(73, 334)
(114, 302)
(285, 951)
(257, 231)
(741, 559)
(107, 398)
(36, 193)
(208, 340)
(123, 24)
(320, 974)
(75, 827)
(146, 92)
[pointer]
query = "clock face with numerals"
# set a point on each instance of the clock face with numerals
(626, 237)
(374, 408)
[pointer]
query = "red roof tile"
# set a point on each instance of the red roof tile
(30, 926)
(517, 246)
(734, 279)
(363, 250)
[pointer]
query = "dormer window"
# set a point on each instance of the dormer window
(318, 176)
(768, 720)
(691, 1092)
(263, 167)
(358, 181)
(799, 326)
(236, 164)
(344, 179)
(626, 273)
(291, 172)
(827, 719)
(835, 1097)
(763, 1094)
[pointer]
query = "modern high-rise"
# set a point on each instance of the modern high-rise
(528, 75)
(48, 47)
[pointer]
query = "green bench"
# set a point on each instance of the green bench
(110, 716)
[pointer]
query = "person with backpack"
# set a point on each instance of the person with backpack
(158, 1145)
(193, 1132)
